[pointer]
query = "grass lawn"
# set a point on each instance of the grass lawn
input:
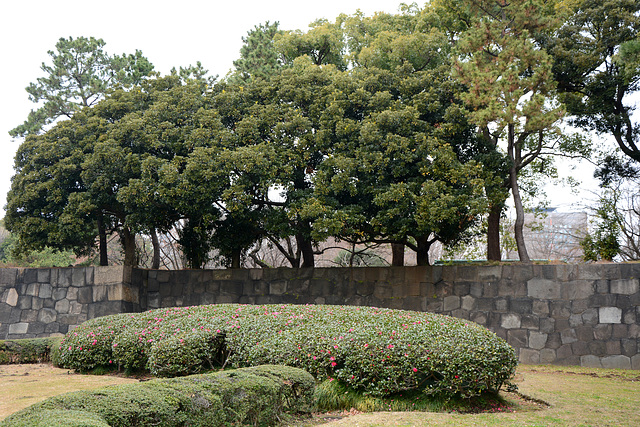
(576, 397)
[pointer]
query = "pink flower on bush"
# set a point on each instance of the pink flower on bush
(415, 369)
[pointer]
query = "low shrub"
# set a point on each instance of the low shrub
(376, 351)
(34, 350)
(257, 396)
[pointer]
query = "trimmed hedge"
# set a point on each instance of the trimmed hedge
(35, 350)
(377, 351)
(257, 396)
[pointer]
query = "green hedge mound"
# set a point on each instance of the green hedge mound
(259, 395)
(372, 350)
(34, 350)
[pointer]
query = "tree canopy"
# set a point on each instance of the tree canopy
(404, 128)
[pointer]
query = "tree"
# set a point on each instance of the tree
(258, 57)
(597, 67)
(511, 84)
(395, 175)
(80, 75)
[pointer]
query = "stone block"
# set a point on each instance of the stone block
(620, 331)
(560, 309)
(575, 320)
(613, 347)
(29, 316)
(479, 317)
(12, 297)
(598, 348)
(59, 293)
(590, 317)
(537, 340)
(580, 305)
(564, 352)
(484, 304)
(45, 290)
(547, 325)
(629, 347)
(610, 315)
(541, 308)
(38, 303)
(602, 332)
(8, 276)
(75, 307)
(548, 355)
(580, 348)
(78, 277)
(18, 328)
(530, 321)
(635, 362)
(521, 305)
(491, 273)
(47, 315)
(629, 315)
(99, 293)
(110, 275)
(529, 356)
(607, 300)
(43, 275)
(517, 338)
(602, 286)
(568, 336)
(510, 321)
(623, 301)
(24, 302)
(475, 290)
(451, 303)
(543, 289)
(590, 361)
(85, 295)
(616, 362)
(468, 303)
(32, 289)
(566, 273)
(501, 304)
(584, 333)
(625, 286)
(63, 306)
(578, 289)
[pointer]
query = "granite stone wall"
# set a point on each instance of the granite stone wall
(585, 315)
(48, 302)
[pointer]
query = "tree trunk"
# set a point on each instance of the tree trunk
(306, 248)
(493, 233)
(514, 154)
(155, 261)
(235, 258)
(397, 253)
(422, 252)
(102, 242)
(128, 240)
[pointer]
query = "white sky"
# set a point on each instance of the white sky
(170, 35)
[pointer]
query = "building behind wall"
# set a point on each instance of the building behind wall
(553, 235)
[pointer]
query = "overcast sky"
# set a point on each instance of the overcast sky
(169, 34)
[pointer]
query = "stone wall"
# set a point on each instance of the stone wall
(48, 302)
(564, 314)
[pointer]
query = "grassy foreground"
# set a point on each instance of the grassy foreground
(577, 397)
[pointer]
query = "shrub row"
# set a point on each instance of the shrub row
(257, 396)
(377, 351)
(36, 350)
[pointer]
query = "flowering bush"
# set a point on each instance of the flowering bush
(377, 351)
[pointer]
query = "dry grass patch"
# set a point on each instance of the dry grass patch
(24, 385)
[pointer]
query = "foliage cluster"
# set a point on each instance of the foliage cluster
(259, 395)
(35, 350)
(376, 351)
